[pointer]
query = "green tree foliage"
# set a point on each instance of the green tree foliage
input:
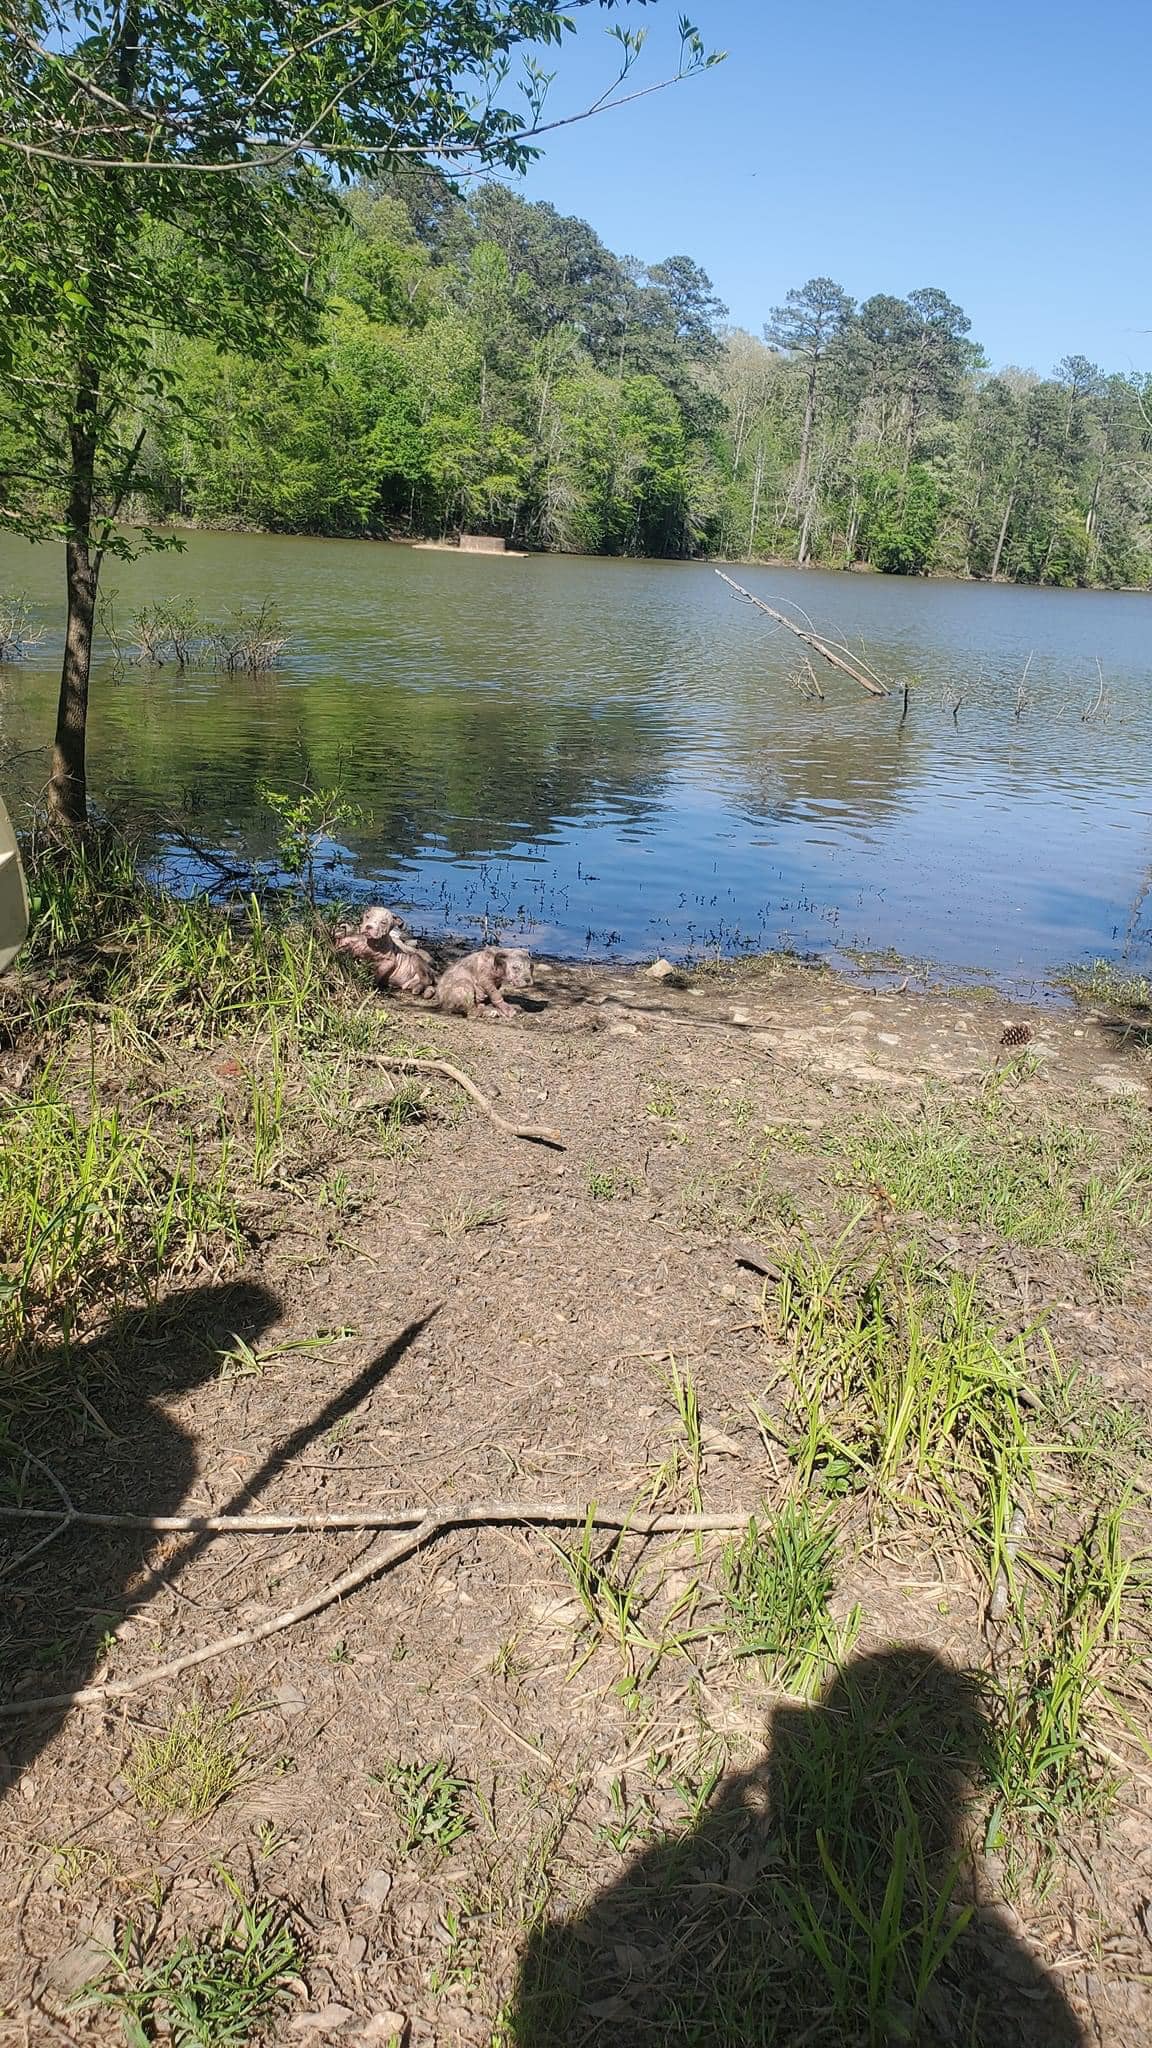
(168, 186)
(481, 361)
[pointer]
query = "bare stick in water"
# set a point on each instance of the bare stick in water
(839, 659)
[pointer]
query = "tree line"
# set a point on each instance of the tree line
(485, 362)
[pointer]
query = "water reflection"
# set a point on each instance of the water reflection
(615, 754)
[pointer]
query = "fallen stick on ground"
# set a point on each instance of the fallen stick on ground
(867, 681)
(428, 1523)
(534, 1136)
(459, 1517)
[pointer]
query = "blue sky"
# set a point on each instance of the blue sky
(1001, 152)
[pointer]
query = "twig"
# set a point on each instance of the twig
(65, 1522)
(428, 1524)
(1022, 687)
(533, 1134)
(1089, 714)
(228, 869)
(871, 683)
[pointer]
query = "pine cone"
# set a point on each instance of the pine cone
(1016, 1034)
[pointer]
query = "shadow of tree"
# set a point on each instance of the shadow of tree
(825, 1898)
(129, 1454)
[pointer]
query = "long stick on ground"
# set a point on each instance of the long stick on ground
(429, 1522)
(869, 682)
(531, 1132)
(459, 1517)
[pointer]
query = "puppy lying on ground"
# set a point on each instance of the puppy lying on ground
(478, 981)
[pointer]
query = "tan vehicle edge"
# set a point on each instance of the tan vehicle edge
(13, 894)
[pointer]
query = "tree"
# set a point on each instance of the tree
(164, 170)
(811, 320)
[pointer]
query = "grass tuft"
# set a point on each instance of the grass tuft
(901, 1390)
(222, 1989)
(779, 1581)
(192, 1766)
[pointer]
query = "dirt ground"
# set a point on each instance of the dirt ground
(462, 1317)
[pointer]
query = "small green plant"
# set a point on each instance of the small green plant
(779, 1581)
(664, 1103)
(222, 1989)
(605, 1183)
(1043, 1766)
(307, 822)
(682, 1388)
(632, 1821)
(429, 1803)
(192, 1766)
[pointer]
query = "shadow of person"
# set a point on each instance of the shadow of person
(128, 1454)
(93, 1418)
(823, 1899)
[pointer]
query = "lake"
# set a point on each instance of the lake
(613, 758)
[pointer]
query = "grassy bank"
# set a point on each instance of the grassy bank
(867, 1764)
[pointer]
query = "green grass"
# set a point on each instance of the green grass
(220, 1989)
(1043, 1764)
(96, 1204)
(192, 1766)
(901, 1390)
(1105, 983)
(778, 1582)
(1034, 1186)
(118, 1180)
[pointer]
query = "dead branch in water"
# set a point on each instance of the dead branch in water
(1092, 711)
(807, 682)
(1022, 698)
(838, 657)
(530, 1132)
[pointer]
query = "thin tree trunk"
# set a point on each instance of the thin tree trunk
(1003, 535)
(853, 530)
(757, 482)
(68, 786)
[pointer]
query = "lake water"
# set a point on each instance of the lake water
(612, 758)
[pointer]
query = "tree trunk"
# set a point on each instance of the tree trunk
(1003, 534)
(68, 786)
(757, 483)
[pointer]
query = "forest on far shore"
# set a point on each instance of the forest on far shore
(484, 362)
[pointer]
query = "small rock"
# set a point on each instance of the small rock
(290, 1699)
(75, 1967)
(1118, 1084)
(861, 1017)
(355, 1950)
(623, 1031)
(888, 1037)
(375, 1889)
(661, 970)
(382, 2028)
(327, 2020)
